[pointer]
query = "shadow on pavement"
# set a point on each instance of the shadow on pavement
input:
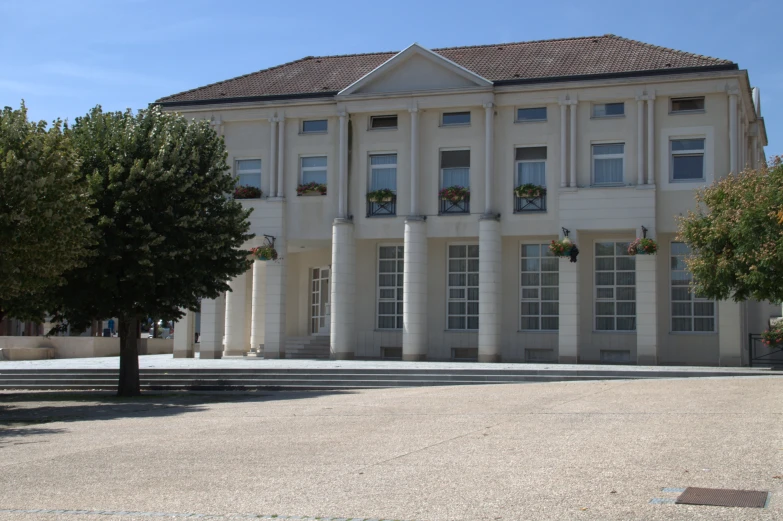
(18, 411)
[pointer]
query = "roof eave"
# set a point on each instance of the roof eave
(246, 99)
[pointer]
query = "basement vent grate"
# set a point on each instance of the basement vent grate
(719, 497)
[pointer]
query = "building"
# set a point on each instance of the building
(621, 133)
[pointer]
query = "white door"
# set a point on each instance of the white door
(319, 302)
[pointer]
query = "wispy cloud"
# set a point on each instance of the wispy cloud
(104, 76)
(25, 88)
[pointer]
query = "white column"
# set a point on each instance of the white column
(733, 133)
(730, 332)
(563, 145)
(342, 156)
(568, 334)
(754, 148)
(281, 156)
(343, 282)
(414, 290)
(184, 335)
(646, 309)
(640, 141)
(236, 316)
(275, 285)
(572, 144)
(489, 155)
(490, 290)
(650, 139)
(414, 161)
(272, 168)
(258, 307)
(213, 313)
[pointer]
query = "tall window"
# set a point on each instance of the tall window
(249, 172)
(455, 168)
(463, 292)
(689, 312)
(615, 287)
(390, 269)
(687, 159)
(383, 172)
(314, 170)
(539, 293)
(531, 165)
(608, 163)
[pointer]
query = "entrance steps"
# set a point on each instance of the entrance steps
(234, 379)
(312, 347)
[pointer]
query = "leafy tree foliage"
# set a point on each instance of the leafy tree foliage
(168, 231)
(43, 213)
(736, 236)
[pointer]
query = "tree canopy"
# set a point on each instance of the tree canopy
(43, 213)
(736, 236)
(168, 232)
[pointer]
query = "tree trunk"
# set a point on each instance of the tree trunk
(129, 357)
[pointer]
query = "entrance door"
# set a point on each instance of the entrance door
(319, 302)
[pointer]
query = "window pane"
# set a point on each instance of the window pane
(529, 293)
(531, 114)
(688, 167)
(604, 308)
(684, 104)
(626, 308)
(626, 263)
(682, 324)
(614, 148)
(604, 293)
(604, 248)
(531, 153)
(626, 278)
(315, 125)
(249, 180)
(244, 165)
(456, 118)
(604, 279)
(680, 145)
(383, 122)
(626, 293)
(529, 308)
(681, 309)
(455, 159)
(608, 109)
(604, 324)
(529, 323)
(550, 264)
(530, 265)
(679, 293)
(704, 324)
(457, 293)
(457, 251)
(550, 279)
(626, 323)
(314, 176)
(608, 171)
(308, 162)
(530, 279)
(604, 264)
(703, 309)
(550, 308)
(680, 248)
(455, 177)
(531, 172)
(531, 250)
(473, 250)
(550, 323)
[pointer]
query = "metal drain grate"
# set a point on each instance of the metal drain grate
(720, 497)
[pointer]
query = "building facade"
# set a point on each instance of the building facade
(619, 133)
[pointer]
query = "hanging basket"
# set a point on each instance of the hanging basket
(264, 253)
(643, 246)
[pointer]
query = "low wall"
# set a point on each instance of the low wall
(79, 346)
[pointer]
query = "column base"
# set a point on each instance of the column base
(341, 356)
(488, 359)
(233, 353)
(567, 360)
(210, 355)
(413, 358)
(646, 360)
(190, 353)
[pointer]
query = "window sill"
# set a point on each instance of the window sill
(474, 331)
(530, 121)
(686, 181)
(689, 333)
(675, 112)
(311, 133)
(454, 125)
(595, 332)
(381, 129)
(548, 331)
(610, 185)
(608, 117)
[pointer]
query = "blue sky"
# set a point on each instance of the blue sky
(63, 57)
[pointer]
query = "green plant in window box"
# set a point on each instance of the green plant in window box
(384, 195)
(264, 253)
(643, 246)
(454, 193)
(247, 192)
(773, 337)
(311, 188)
(530, 191)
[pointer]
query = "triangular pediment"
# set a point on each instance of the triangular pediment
(416, 69)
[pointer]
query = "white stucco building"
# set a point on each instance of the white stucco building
(619, 132)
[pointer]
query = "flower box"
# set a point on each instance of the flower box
(454, 193)
(773, 337)
(643, 246)
(247, 192)
(384, 195)
(529, 191)
(311, 189)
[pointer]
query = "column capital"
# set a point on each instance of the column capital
(488, 105)
(413, 109)
(732, 90)
(342, 113)
(568, 99)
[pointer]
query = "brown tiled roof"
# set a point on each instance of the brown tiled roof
(508, 62)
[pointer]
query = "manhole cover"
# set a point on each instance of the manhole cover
(720, 497)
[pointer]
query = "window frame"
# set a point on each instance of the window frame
(543, 248)
(614, 331)
(303, 131)
(444, 124)
(260, 169)
(692, 152)
(593, 115)
(518, 161)
(692, 301)
(466, 287)
(539, 120)
(372, 119)
(378, 286)
(607, 156)
(672, 99)
(312, 168)
(370, 167)
(440, 163)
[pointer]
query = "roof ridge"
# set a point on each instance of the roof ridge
(235, 78)
(670, 49)
(517, 43)
(350, 55)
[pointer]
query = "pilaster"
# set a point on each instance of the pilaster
(275, 285)
(568, 291)
(490, 291)
(258, 307)
(414, 290)
(646, 310)
(184, 335)
(236, 317)
(213, 314)
(342, 339)
(730, 333)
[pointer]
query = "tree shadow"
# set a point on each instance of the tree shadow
(22, 413)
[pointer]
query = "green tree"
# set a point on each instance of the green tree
(168, 231)
(43, 213)
(736, 236)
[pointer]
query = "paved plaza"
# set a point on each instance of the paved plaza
(577, 450)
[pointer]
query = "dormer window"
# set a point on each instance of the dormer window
(383, 122)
